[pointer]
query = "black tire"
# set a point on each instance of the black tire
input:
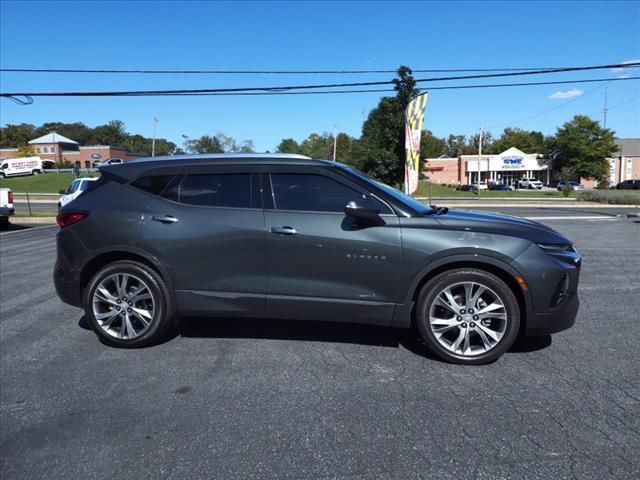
(163, 317)
(449, 278)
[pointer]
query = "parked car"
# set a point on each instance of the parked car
(629, 185)
(500, 186)
(472, 187)
(571, 184)
(110, 161)
(11, 167)
(285, 236)
(6, 207)
(76, 188)
(530, 183)
(552, 184)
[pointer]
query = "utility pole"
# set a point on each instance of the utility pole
(335, 141)
(153, 141)
(605, 110)
(479, 159)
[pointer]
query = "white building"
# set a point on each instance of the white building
(506, 167)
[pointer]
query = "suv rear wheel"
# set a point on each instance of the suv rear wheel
(128, 305)
(467, 316)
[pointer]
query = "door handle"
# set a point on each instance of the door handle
(284, 230)
(164, 219)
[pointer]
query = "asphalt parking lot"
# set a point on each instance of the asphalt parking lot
(271, 399)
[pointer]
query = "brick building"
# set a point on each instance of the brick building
(513, 164)
(53, 147)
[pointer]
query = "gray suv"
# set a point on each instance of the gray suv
(285, 236)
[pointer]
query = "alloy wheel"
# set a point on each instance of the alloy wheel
(123, 306)
(468, 318)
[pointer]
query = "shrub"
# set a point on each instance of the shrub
(614, 197)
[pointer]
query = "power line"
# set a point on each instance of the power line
(310, 87)
(284, 91)
(562, 105)
(263, 72)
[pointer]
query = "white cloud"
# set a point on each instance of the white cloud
(621, 69)
(626, 75)
(574, 92)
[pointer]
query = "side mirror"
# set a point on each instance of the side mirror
(368, 216)
(62, 192)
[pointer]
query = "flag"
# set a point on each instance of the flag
(414, 118)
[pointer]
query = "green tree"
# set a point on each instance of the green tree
(381, 147)
(432, 146)
(317, 146)
(583, 146)
(527, 141)
(12, 136)
(26, 150)
(205, 144)
(288, 145)
(455, 145)
(113, 133)
(473, 144)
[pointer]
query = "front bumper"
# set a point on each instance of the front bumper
(552, 280)
(556, 321)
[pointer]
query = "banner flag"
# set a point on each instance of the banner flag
(414, 118)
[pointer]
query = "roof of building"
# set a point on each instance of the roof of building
(628, 147)
(52, 137)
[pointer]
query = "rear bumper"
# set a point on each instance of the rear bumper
(67, 286)
(560, 319)
(6, 211)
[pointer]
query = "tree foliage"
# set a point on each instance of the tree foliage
(113, 133)
(527, 141)
(26, 150)
(583, 146)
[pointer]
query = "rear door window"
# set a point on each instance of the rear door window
(153, 184)
(232, 190)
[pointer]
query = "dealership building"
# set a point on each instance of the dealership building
(506, 167)
(54, 147)
(513, 164)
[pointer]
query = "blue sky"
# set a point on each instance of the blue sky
(315, 35)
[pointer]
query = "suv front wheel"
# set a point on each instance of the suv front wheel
(128, 305)
(467, 316)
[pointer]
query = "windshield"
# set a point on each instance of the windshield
(74, 186)
(411, 202)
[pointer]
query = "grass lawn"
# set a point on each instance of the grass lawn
(45, 183)
(442, 191)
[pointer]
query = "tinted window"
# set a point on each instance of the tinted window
(316, 193)
(215, 190)
(153, 184)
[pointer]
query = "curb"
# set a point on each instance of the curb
(33, 220)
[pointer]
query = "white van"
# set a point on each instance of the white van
(10, 167)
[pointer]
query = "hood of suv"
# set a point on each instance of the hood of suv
(474, 221)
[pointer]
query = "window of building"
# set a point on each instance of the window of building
(233, 190)
(37, 149)
(317, 193)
